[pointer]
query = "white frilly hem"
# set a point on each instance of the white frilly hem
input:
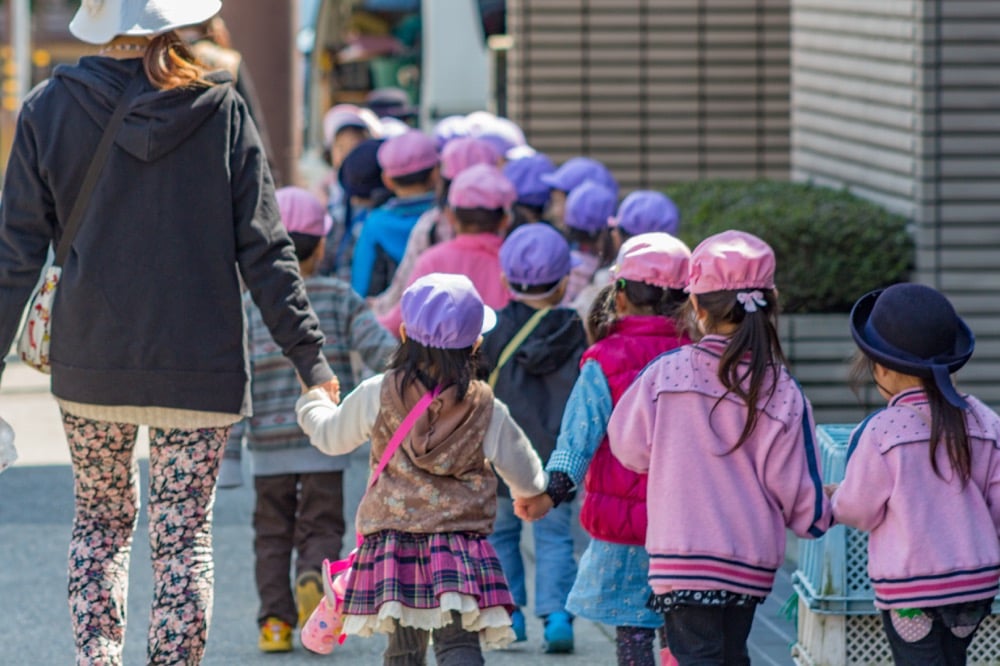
(492, 624)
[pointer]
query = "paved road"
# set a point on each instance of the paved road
(35, 515)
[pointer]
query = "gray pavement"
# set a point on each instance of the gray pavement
(36, 508)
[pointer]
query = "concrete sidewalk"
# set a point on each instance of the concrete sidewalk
(36, 508)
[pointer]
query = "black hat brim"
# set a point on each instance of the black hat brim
(965, 343)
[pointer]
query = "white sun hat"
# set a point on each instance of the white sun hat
(100, 21)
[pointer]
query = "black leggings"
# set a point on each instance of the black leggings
(709, 635)
(634, 645)
(453, 646)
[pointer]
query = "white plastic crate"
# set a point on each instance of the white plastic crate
(858, 640)
(832, 575)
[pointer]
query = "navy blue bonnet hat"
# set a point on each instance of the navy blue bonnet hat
(360, 174)
(914, 329)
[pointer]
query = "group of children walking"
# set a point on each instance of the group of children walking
(672, 390)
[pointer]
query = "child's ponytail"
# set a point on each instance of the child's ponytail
(948, 425)
(755, 340)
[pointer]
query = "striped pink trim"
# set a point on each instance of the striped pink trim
(939, 591)
(686, 573)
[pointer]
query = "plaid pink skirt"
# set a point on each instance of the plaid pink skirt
(416, 569)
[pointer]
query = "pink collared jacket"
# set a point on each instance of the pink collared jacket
(477, 256)
(932, 541)
(717, 515)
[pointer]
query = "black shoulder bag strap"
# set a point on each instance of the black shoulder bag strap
(94, 171)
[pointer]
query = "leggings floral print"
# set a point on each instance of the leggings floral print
(183, 466)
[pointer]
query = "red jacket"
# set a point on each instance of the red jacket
(614, 507)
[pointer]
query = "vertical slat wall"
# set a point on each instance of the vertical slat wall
(660, 90)
(899, 100)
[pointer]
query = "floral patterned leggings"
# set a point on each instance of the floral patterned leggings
(183, 466)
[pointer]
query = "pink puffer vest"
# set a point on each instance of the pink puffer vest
(614, 508)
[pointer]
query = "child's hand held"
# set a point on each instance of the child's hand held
(532, 508)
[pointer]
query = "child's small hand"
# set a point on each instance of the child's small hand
(830, 488)
(532, 508)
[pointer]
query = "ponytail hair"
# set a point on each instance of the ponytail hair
(169, 63)
(756, 337)
(601, 315)
(947, 421)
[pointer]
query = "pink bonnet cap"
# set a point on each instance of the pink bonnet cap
(731, 261)
(302, 213)
(342, 116)
(410, 152)
(462, 152)
(656, 258)
(481, 186)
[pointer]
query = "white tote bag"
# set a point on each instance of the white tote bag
(33, 343)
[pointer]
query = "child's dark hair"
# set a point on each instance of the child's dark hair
(756, 335)
(432, 366)
(305, 245)
(947, 421)
(522, 213)
(601, 315)
(421, 177)
(444, 186)
(535, 289)
(482, 220)
(662, 301)
(600, 243)
(361, 132)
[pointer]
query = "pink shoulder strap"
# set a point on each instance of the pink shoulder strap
(397, 438)
(403, 430)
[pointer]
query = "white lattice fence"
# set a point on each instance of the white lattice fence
(859, 640)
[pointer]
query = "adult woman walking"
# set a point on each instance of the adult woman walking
(147, 324)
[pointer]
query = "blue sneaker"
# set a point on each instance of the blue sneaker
(517, 624)
(558, 633)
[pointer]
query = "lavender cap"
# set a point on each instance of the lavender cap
(647, 211)
(576, 171)
(535, 254)
(526, 173)
(445, 311)
(589, 206)
(407, 153)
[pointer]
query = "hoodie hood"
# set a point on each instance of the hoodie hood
(557, 338)
(439, 441)
(157, 121)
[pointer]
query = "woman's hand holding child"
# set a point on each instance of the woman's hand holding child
(332, 389)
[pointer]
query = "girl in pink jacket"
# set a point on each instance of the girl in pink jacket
(726, 437)
(923, 477)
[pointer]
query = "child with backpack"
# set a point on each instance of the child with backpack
(532, 359)
(646, 298)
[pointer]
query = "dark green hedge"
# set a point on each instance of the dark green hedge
(831, 247)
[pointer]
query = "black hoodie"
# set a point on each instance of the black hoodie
(148, 309)
(536, 381)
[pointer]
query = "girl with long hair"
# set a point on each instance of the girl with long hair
(726, 437)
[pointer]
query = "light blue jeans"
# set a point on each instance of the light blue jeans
(555, 565)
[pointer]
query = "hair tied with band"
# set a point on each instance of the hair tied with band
(751, 300)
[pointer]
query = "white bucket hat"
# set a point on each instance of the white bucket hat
(100, 21)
